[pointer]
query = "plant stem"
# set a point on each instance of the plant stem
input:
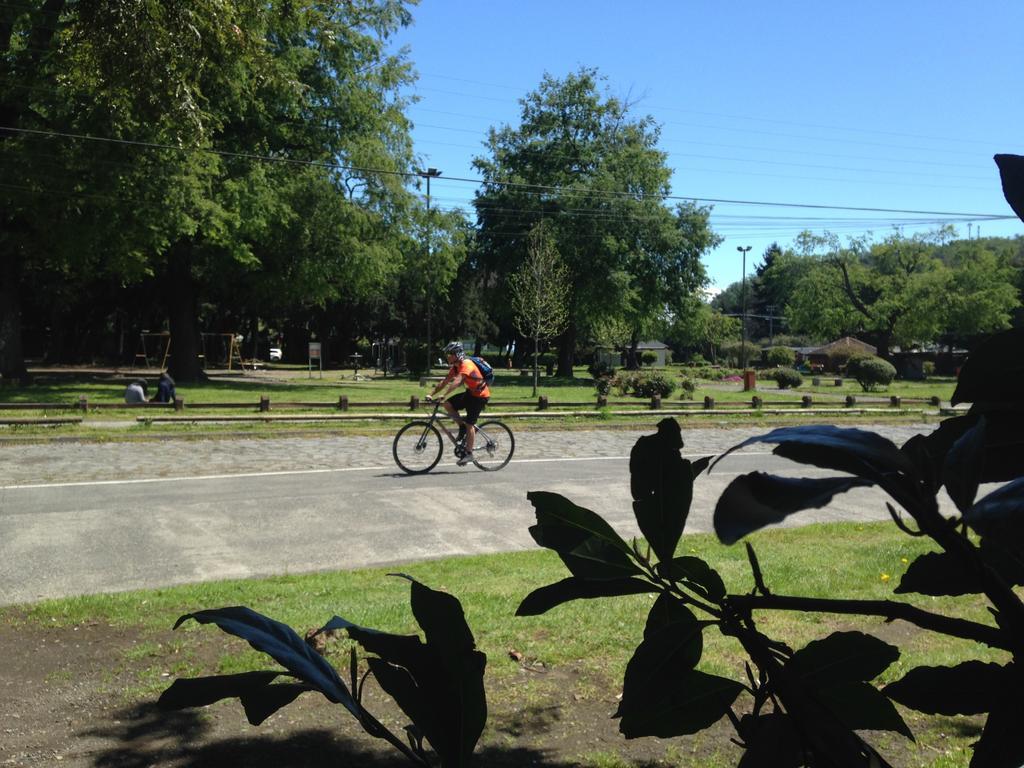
(889, 609)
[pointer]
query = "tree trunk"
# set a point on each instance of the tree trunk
(566, 349)
(12, 360)
(181, 295)
(883, 345)
(536, 354)
(632, 359)
(519, 357)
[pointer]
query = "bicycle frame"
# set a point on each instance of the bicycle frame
(439, 422)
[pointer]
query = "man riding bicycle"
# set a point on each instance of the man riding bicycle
(463, 371)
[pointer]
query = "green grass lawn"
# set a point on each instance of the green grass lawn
(798, 561)
(509, 386)
(594, 638)
(293, 392)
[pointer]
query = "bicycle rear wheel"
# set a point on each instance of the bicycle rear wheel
(494, 446)
(417, 447)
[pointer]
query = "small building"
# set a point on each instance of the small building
(617, 357)
(657, 347)
(821, 358)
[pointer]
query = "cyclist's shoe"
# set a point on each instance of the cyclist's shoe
(465, 459)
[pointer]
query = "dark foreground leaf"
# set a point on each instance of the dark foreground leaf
(855, 451)
(661, 483)
(438, 683)
(772, 742)
(545, 598)
(692, 702)
(939, 573)
(281, 643)
(1001, 513)
(861, 706)
(755, 500)
(964, 466)
(842, 656)
(970, 688)
(1000, 745)
(259, 698)
(589, 547)
(695, 574)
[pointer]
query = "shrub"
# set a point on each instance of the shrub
(732, 352)
(780, 356)
(648, 358)
(625, 382)
(786, 378)
(928, 368)
(841, 357)
(601, 369)
(652, 384)
(603, 384)
(871, 372)
(688, 387)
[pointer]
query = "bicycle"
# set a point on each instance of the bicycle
(418, 446)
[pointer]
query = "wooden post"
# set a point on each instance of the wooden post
(83, 403)
(542, 403)
(602, 401)
(895, 401)
(934, 400)
(343, 402)
(655, 402)
(709, 402)
(264, 403)
(414, 403)
(838, 382)
(756, 402)
(850, 401)
(816, 381)
(179, 404)
(806, 401)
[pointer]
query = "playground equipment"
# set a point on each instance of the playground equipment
(385, 355)
(222, 349)
(153, 347)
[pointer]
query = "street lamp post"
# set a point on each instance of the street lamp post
(743, 348)
(429, 174)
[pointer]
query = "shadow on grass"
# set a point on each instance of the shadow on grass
(146, 736)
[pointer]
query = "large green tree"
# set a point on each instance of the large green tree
(224, 111)
(899, 291)
(581, 163)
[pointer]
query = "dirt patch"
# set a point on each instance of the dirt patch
(84, 697)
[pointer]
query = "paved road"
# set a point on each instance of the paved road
(79, 518)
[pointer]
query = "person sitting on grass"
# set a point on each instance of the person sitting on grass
(164, 389)
(135, 392)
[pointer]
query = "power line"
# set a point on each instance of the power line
(521, 186)
(959, 140)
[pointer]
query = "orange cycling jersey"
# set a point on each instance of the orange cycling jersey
(471, 377)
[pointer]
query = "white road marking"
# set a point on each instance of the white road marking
(290, 472)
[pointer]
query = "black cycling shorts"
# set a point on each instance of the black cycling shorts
(473, 405)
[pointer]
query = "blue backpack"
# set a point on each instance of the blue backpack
(485, 370)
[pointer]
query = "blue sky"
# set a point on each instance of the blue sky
(896, 105)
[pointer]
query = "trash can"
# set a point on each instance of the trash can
(749, 380)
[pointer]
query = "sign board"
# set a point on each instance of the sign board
(314, 354)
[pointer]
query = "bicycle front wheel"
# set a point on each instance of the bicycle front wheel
(493, 446)
(417, 447)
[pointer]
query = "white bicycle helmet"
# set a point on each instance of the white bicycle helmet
(454, 348)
